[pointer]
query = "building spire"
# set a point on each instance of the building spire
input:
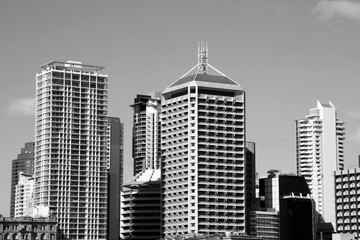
(203, 57)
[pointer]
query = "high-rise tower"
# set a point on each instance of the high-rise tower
(115, 176)
(146, 131)
(320, 152)
(203, 153)
(71, 148)
(24, 163)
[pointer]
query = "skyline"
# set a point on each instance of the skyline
(285, 54)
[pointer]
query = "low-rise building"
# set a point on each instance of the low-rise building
(28, 228)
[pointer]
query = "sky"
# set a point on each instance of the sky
(285, 54)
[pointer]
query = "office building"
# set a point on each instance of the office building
(265, 224)
(146, 130)
(203, 153)
(24, 198)
(24, 163)
(289, 195)
(71, 147)
(115, 176)
(141, 206)
(320, 152)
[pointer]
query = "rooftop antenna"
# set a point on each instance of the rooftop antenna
(203, 57)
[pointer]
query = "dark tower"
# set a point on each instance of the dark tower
(115, 176)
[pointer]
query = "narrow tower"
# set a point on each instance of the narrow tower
(320, 152)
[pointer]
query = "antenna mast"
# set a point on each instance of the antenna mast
(203, 57)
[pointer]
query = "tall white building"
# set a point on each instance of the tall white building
(71, 147)
(24, 195)
(203, 153)
(320, 152)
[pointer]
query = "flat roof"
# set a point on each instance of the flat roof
(71, 64)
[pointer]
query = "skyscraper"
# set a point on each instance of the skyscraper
(146, 131)
(115, 176)
(24, 163)
(203, 153)
(71, 148)
(320, 152)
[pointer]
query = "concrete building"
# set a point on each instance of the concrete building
(320, 152)
(265, 224)
(115, 177)
(24, 163)
(27, 228)
(71, 147)
(141, 206)
(289, 195)
(146, 132)
(24, 199)
(347, 185)
(203, 160)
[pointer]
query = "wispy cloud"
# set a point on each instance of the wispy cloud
(349, 9)
(21, 107)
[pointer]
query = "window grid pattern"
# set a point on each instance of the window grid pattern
(71, 149)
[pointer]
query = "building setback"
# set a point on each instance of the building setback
(203, 153)
(71, 148)
(24, 163)
(320, 152)
(115, 176)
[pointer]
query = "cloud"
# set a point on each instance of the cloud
(21, 107)
(349, 9)
(353, 114)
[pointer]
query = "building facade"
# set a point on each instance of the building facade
(250, 182)
(71, 147)
(27, 228)
(24, 198)
(203, 147)
(146, 131)
(320, 152)
(348, 201)
(265, 224)
(289, 195)
(115, 176)
(141, 206)
(24, 163)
